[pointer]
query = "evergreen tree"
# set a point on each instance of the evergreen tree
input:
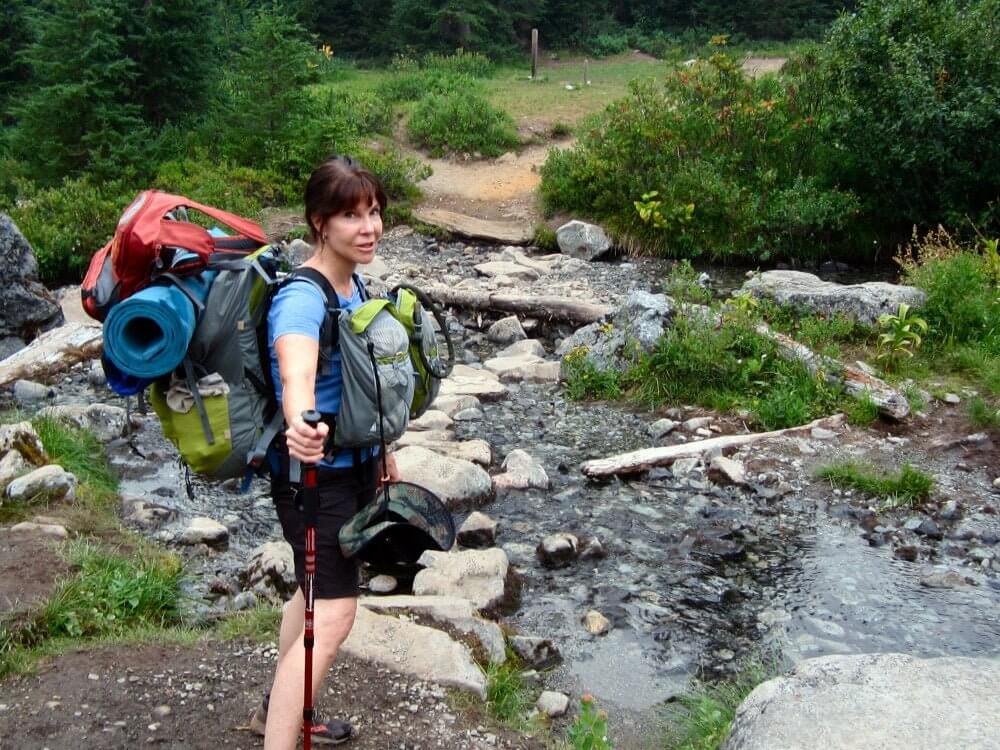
(174, 48)
(15, 35)
(78, 114)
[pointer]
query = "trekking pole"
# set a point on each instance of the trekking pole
(310, 503)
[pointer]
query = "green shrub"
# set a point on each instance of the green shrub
(583, 380)
(908, 487)
(982, 413)
(240, 190)
(683, 284)
(508, 696)
(864, 411)
(545, 239)
(461, 121)
(608, 43)
(66, 225)
(724, 156)
(473, 64)
(413, 85)
(589, 730)
(109, 594)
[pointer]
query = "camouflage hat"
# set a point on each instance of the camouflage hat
(404, 521)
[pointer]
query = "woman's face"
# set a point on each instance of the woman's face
(353, 234)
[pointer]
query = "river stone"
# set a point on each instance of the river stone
(21, 437)
(417, 651)
(477, 451)
(272, 569)
(726, 471)
(558, 550)
(521, 471)
(477, 575)
(383, 584)
(506, 330)
(203, 530)
(51, 482)
(456, 482)
(996, 483)
(12, 465)
(469, 415)
(107, 422)
(54, 530)
(432, 419)
(519, 348)
(478, 531)
(534, 651)
(454, 612)
(596, 623)
(862, 302)
(29, 392)
(578, 239)
(467, 381)
(552, 704)
(874, 701)
(949, 579)
(661, 428)
(502, 366)
(451, 405)
(505, 268)
(140, 512)
(26, 306)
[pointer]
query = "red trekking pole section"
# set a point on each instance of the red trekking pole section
(310, 497)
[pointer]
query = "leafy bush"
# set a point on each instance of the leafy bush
(911, 88)
(583, 380)
(461, 121)
(683, 284)
(462, 62)
(726, 157)
(241, 190)
(66, 225)
(608, 43)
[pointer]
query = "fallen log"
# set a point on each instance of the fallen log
(648, 458)
(548, 307)
(858, 383)
(52, 352)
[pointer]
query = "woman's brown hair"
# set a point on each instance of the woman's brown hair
(339, 184)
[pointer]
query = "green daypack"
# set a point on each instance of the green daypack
(218, 409)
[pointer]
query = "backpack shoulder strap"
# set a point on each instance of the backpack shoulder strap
(329, 334)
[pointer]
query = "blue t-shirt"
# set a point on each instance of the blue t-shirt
(299, 307)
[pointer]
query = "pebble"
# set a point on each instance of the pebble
(162, 711)
(952, 398)
(996, 483)
(93, 676)
(596, 623)
(552, 704)
(382, 584)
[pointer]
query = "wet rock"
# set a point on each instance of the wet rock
(534, 651)
(455, 613)
(684, 466)
(578, 239)
(873, 700)
(417, 651)
(996, 483)
(26, 306)
(468, 415)
(244, 600)
(725, 550)
(558, 550)
(21, 437)
(951, 511)
(271, 570)
(203, 530)
(54, 530)
(506, 331)
(592, 549)
(12, 465)
(478, 531)
(948, 579)
(726, 471)
(521, 471)
(907, 552)
(480, 576)
(981, 554)
(596, 624)
(862, 302)
(107, 422)
(520, 348)
(383, 584)
(137, 511)
(661, 428)
(929, 529)
(52, 483)
(552, 704)
(456, 482)
(30, 392)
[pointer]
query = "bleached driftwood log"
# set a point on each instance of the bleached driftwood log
(548, 307)
(648, 458)
(52, 352)
(856, 382)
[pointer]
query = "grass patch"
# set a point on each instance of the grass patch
(259, 624)
(701, 718)
(78, 451)
(508, 697)
(863, 411)
(907, 487)
(982, 413)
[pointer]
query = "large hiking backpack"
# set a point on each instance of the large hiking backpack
(149, 235)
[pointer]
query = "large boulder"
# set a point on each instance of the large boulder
(480, 576)
(26, 307)
(874, 700)
(639, 321)
(862, 302)
(107, 422)
(458, 483)
(468, 381)
(52, 482)
(271, 571)
(579, 239)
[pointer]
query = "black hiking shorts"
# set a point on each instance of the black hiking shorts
(342, 493)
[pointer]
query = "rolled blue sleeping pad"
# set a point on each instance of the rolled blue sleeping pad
(147, 335)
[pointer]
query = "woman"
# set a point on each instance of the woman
(343, 207)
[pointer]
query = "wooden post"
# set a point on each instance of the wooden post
(586, 71)
(534, 53)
